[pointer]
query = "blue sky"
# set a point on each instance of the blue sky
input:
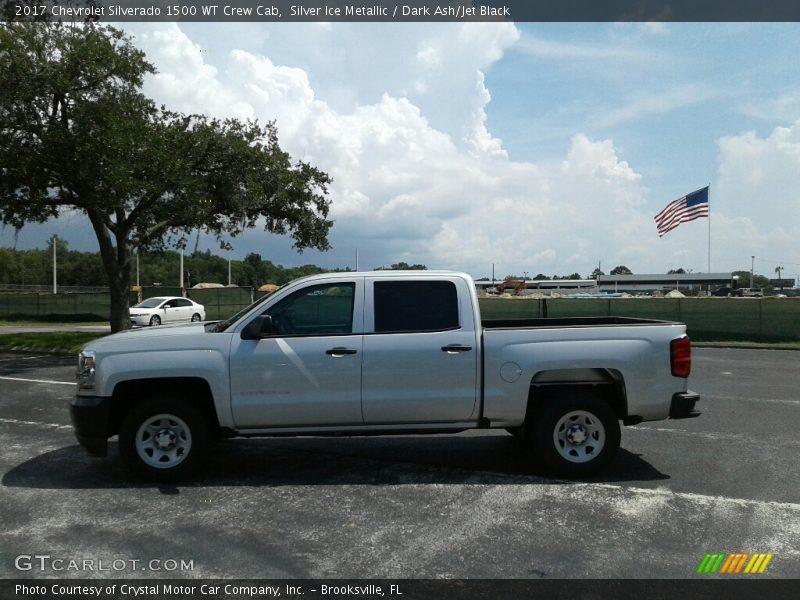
(534, 147)
(657, 90)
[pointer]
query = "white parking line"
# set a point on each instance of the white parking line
(751, 399)
(18, 422)
(715, 435)
(49, 381)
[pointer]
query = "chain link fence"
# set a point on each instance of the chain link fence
(707, 319)
(220, 303)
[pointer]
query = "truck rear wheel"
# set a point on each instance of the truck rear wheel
(575, 435)
(164, 439)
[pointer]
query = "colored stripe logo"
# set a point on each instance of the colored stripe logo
(735, 563)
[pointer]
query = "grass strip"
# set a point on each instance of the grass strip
(60, 341)
(749, 345)
(34, 323)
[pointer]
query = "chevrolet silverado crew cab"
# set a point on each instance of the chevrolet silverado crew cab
(384, 352)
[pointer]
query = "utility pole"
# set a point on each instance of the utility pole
(55, 286)
(181, 269)
(752, 263)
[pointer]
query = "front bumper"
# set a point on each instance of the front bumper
(91, 418)
(682, 405)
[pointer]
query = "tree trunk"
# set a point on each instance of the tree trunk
(119, 284)
(117, 264)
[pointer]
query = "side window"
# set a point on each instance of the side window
(402, 306)
(183, 302)
(317, 310)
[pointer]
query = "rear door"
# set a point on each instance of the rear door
(183, 309)
(420, 359)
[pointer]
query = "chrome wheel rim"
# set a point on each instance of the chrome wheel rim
(579, 436)
(163, 441)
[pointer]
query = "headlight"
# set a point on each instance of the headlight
(85, 374)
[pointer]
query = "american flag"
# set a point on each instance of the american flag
(690, 207)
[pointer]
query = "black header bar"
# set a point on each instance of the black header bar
(403, 10)
(702, 587)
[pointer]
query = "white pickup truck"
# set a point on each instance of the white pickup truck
(384, 352)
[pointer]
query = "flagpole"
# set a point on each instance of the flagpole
(709, 228)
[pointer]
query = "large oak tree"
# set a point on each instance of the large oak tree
(77, 134)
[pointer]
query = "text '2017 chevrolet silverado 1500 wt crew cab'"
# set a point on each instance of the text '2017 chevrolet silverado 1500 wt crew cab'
(384, 352)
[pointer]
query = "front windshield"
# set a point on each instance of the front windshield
(150, 303)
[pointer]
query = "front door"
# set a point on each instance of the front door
(307, 372)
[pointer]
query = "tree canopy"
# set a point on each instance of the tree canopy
(621, 270)
(77, 134)
(402, 266)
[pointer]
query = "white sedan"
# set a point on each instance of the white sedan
(172, 309)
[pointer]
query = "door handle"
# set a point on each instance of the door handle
(456, 348)
(340, 351)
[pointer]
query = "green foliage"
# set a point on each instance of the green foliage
(621, 270)
(759, 281)
(35, 267)
(77, 134)
(402, 266)
(66, 341)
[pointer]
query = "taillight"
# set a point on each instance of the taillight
(680, 356)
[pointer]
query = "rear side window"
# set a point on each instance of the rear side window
(404, 306)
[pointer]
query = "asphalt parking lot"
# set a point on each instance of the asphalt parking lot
(462, 506)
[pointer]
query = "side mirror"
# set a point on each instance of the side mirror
(258, 328)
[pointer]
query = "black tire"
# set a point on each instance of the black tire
(165, 439)
(518, 433)
(195, 318)
(155, 320)
(574, 435)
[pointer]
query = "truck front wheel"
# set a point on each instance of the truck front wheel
(574, 436)
(164, 439)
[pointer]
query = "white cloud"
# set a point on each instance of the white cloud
(413, 188)
(541, 48)
(759, 195)
(785, 107)
(418, 175)
(642, 105)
